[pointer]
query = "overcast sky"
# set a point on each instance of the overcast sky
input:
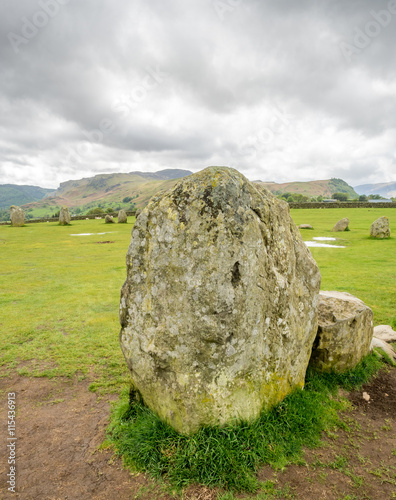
(282, 90)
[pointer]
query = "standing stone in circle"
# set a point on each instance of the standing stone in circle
(219, 308)
(122, 217)
(138, 212)
(109, 219)
(345, 330)
(380, 228)
(64, 216)
(17, 216)
(342, 225)
(305, 226)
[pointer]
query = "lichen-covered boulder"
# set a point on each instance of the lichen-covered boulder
(138, 212)
(345, 330)
(380, 228)
(109, 219)
(342, 225)
(64, 216)
(122, 217)
(17, 216)
(219, 308)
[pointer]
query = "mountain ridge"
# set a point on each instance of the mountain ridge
(386, 189)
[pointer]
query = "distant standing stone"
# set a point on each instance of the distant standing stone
(345, 330)
(380, 228)
(122, 217)
(109, 219)
(305, 226)
(17, 216)
(64, 216)
(219, 308)
(342, 225)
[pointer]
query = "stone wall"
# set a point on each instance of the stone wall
(345, 204)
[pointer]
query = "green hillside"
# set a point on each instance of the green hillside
(13, 194)
(108, 191)
(325, 188)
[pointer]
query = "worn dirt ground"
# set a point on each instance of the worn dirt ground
(60, 426)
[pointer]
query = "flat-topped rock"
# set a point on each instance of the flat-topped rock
(219, 308)
(345, 330)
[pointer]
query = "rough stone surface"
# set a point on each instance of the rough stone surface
(305, 226)
(381, 344)
(17, 216)
(345, 330)
(122, 217)
(64, 216)
(342, 225)
(385, 333)
(380, 228)
(138, 212)
(109, 219)
(219, 309)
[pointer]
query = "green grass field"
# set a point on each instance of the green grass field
(59, 293)
(59, 298)
(366, 267)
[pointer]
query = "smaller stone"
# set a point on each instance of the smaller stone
(122, 217)
(385, 333)
(17, 216)
(388, 349)
(305, 226)
(109, 219)
(138, 212)
(342, 225)
(64, 216)
(345, 330)
(380, 228)
(366, 396)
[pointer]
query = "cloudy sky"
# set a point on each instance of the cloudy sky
(281, 90)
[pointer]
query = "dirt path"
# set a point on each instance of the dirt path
(60, 425)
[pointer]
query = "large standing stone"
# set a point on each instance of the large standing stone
(122, 217)
(219, 308)
(17, 216)
(345, 330)
(64, 216)
(342, 225)
(109, 219)
(380, 228)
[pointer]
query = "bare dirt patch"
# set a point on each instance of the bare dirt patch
(61, 424)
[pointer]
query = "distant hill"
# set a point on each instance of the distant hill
(325, 188)
(14, 194)
(385, 189)
(139, 187)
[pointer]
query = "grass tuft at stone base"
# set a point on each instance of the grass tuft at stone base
(228, 457)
